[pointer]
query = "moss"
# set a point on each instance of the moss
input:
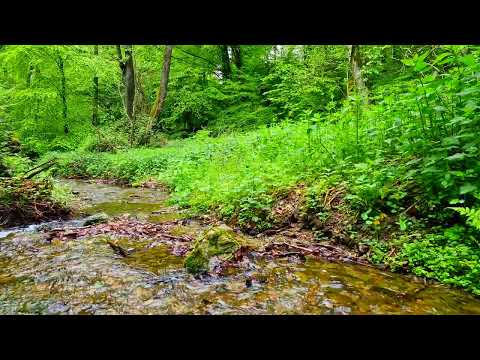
(218, 241)
(196, 262)
(96, 219)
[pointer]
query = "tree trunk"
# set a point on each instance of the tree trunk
(95, 93)
(355, 68)
(128, 83)
(30, 75)
(237, 56)
(226, 68)
(63, 91)
(140, 104)
(162, 91)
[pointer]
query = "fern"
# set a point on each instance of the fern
(473, 215)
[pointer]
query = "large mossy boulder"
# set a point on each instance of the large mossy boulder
(220, 241)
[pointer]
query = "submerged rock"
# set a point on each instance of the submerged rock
(220, 241)
(96, 219)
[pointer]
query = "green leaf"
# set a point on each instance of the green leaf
(455, 157)
(442, 57)
(469, 91)
(468, 60)
(467, 188)
(420, 65)
(455, 201)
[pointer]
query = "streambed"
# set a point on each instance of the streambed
(84, 275)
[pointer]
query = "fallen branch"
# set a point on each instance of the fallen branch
(174, 237)
(40, 168)
(300, 248)
(272, 231)
(118, 249)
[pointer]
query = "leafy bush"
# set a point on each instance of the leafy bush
(445, 257)
(105, 140)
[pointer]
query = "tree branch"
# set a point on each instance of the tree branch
(198, 56)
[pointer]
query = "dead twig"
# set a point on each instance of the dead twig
(118, 249)
(181, 238)
(300, 248)
(272, 231)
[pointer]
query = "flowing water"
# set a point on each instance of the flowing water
(84, 276)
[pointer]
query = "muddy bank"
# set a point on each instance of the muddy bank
(28, 201)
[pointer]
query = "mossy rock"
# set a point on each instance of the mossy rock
(96, 219)
(219, 241)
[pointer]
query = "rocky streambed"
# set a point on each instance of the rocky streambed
(130, 260)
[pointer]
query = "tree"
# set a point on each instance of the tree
(225, 59)
(31, 70)
(161, 94)
(162, 91)
(237, 56)
(355, 68)
(128, 85)
(59, 60)
(95, 93)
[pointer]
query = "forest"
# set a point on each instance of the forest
(357, 156)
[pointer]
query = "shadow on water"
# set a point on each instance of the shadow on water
(85, 276)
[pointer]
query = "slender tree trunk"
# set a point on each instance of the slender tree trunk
(36, 116)
(31, 70)
(355, 68)
(140, 105)
(128, 84)
(226, 68)
(95, 93)
(237, 56)
(63, 91)
(162, 91)
(129, 81)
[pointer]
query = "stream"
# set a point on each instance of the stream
(84, 275)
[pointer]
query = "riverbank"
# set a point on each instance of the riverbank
(263, 180)
(31, 201)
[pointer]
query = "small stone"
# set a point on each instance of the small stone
(335, 285)
(342, 310)
(58, 308)
(96, 219)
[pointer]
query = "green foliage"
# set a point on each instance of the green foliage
(449, 257)
(473, 215)
(306, 77)
(105, 140)
(31, 98)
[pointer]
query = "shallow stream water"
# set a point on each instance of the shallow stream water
(84, 276)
